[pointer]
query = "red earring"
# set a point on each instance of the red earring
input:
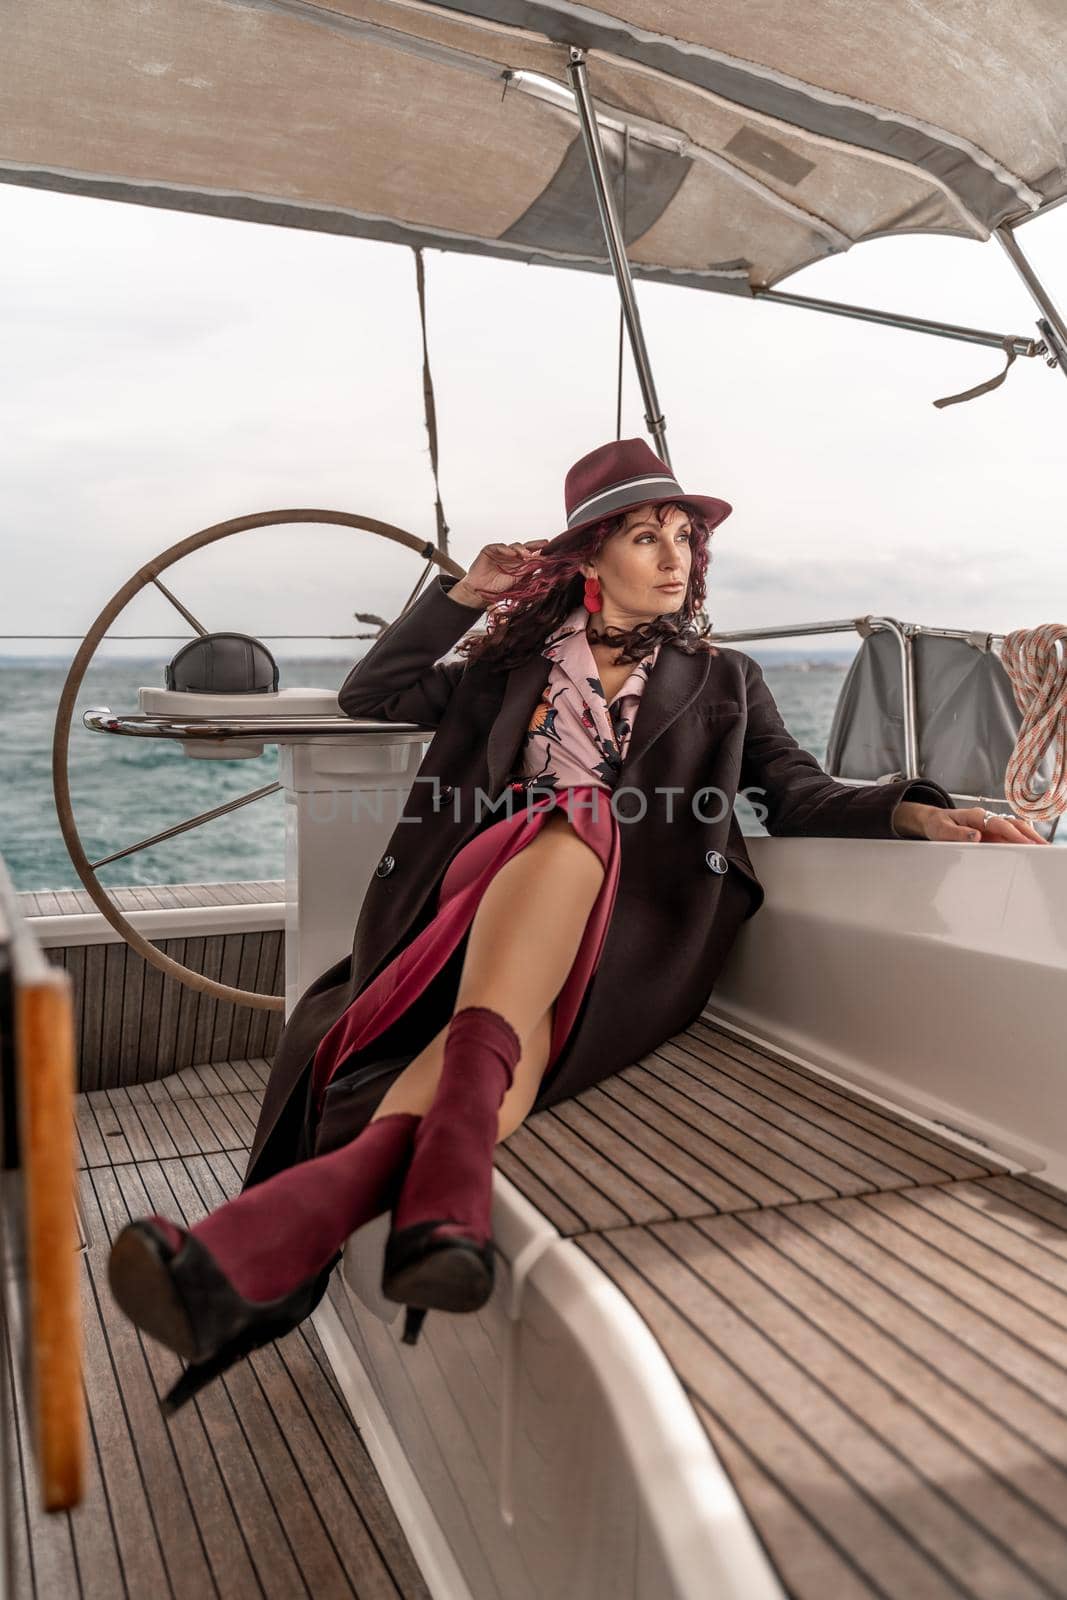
(592, 594)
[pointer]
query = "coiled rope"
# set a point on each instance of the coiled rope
(1038, 674)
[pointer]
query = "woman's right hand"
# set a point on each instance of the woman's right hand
(492, 571)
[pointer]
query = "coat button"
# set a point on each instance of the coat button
(385, 866)
(717, 861)
(442, 796)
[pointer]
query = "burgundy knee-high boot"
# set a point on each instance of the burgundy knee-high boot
(260, 1263)
(440, 1251)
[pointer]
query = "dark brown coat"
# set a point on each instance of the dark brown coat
(703, 721)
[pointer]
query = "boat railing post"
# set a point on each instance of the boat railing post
(654, 420)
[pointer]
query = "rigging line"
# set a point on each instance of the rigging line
(430, 405)
(430, 413)
(625, 175)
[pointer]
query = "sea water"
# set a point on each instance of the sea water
(125, 789)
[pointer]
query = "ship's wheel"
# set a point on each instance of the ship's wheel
(150, 574)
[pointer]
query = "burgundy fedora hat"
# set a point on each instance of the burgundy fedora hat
(617, 477)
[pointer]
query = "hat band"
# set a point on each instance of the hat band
(622, 495)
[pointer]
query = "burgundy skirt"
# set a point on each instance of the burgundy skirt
(465, 880)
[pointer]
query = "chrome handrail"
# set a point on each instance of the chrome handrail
(904, 633)
(268, 729)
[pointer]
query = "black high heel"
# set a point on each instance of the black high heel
(183, 1299)
(414, 1317)
(446, 1273)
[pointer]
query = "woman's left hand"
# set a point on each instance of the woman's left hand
(970, 825)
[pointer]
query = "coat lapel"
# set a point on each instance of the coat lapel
(673, 685)
(521, 695)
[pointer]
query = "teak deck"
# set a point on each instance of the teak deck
(870, 1320)
(133, 1022)
(260, 1486)
(869, 1317)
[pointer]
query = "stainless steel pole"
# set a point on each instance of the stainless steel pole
(893, 319)
(1052, 324)
(654, 420)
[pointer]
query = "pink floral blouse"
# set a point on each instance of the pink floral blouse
(574, 736)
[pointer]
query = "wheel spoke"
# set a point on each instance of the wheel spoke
(186, 613)
(145, 575)
(193, 822)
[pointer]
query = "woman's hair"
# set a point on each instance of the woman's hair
(548, 586)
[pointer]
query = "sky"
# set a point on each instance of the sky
(165, 372)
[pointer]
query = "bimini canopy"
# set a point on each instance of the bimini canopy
(762, 135)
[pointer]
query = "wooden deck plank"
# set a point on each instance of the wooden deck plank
(189, 1003)
(109, 1126)
(173, 1193)
(568, 1182)
(247, 973)
(819, 1566)
(842, 1164)
(252, 1073)
(131, 1041)
(228, 1076)
(762, 1147)
(922, 1215)
(260, 1487)
(138, 1141)
(161, 1143)
(162, 895)
(90, 1044)
(1002, 1230)
(912, 1412)
(991, 1348)
(198, 1080)
(270, 942)
(74, 962)
(682, 1315)
(707, 1124)
(129, 1508)
(539, 1193)
(153, 986)
(349, 1493)
(736, 1181)
(166, 1489)
(986, 1411)
(256, 1387)
(202, 1044)
(44, 1560)
(764, 1377)
(114, 982)
(1030, 1204)
(870, 1321)
(229, 1543)
(227, 1121)
(169, 1009)
(902, 1137)
(188, 894)
(650, 1159)
(581, 1149)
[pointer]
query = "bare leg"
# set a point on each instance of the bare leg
(523, 940)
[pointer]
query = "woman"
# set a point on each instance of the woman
(495, 989)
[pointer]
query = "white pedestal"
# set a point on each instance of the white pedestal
(345, 788)
(343, 799)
